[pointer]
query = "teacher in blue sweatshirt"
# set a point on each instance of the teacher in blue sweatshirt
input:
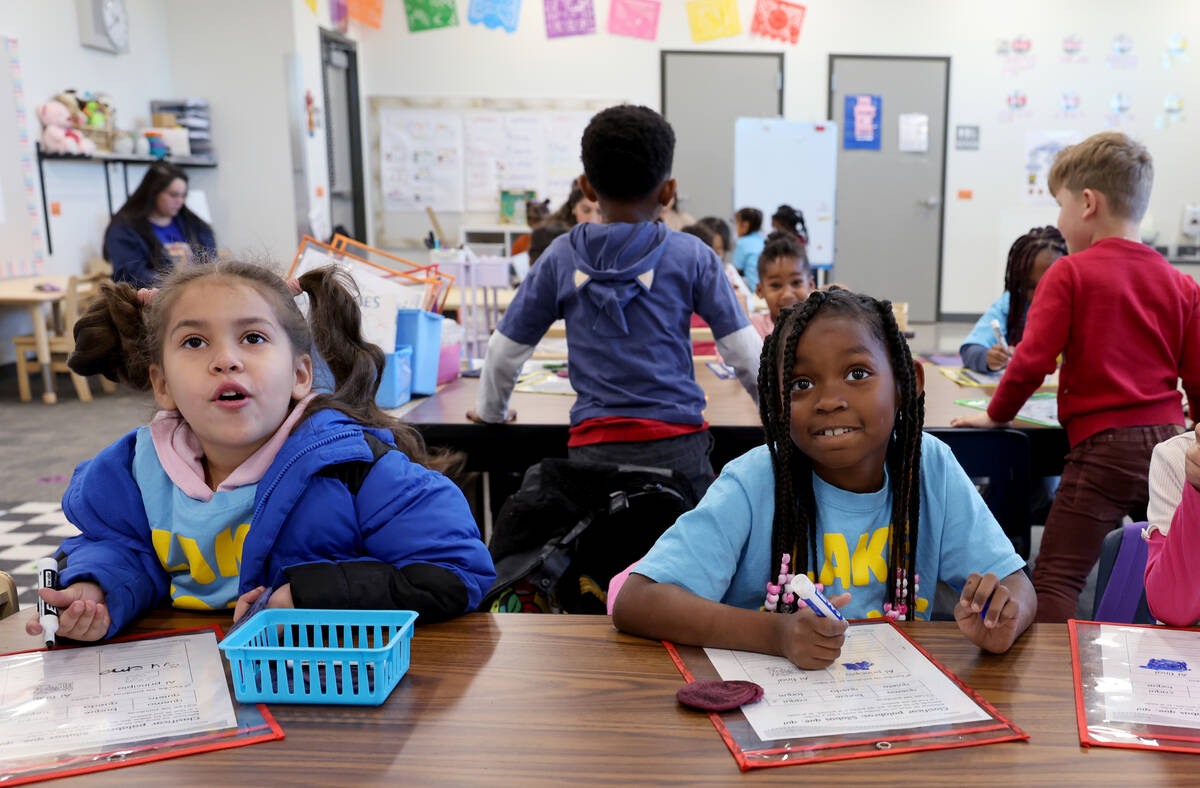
(155, 230)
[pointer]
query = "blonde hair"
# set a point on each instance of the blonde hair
(1111, 163)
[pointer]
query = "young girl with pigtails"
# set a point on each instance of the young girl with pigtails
(848, 491)
(247, 480)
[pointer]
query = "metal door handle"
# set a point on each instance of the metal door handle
(931, 202)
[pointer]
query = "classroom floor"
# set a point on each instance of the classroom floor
(40, 445)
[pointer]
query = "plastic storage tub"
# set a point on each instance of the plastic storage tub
(319, 656)
(423, 331)
(449, 363)
(395, 388)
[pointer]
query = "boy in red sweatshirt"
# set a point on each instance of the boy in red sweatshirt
(1127, 325)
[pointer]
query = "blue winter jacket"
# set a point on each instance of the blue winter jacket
(407, 539)
(130, 254)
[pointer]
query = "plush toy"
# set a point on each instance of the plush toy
(58, 134)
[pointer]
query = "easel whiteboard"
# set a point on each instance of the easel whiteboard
(454, 155)
(777, 162)
(20, 219)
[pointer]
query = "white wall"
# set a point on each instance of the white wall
(471, 61)
(52, 60)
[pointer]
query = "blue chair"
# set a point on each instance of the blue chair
(1120, 578)
(998, 463)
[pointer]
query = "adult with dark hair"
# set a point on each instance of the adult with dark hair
(578, 208)
(1029, 258)
(626, 289)
(154, 230)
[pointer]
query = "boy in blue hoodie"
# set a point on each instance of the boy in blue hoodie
(627, 289)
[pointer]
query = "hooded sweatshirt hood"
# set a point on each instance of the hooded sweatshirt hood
(614, 264)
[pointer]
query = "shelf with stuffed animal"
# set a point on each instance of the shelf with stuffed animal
(59, 133)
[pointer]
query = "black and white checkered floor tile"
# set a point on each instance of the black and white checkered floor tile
(29, 531)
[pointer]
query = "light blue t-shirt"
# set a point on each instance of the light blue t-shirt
(721, 549)
(745, 257)
(199, 543)
(982, 334)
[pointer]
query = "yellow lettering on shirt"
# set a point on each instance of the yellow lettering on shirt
(228, 548)
(162, 546)
(190, 603)
(837, 561)
(201, 571)
(869, 557)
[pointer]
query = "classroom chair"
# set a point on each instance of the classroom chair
(998, 463)
(62, 340)
(1120, 578)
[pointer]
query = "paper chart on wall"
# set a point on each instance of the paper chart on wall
(1040, 149)
(880, 682)
(520, 151)
(1151, 676)
(117, 695)
(421, 160)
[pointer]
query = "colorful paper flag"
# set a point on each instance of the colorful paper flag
(495, 13)
(634, 18)
(369, 12)
(778, 19)
(312, 5)
(711, 19)
(430, 14)
(339, 14)
(569, 18)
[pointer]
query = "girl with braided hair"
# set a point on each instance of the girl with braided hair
(1028, 260)
(847, 490)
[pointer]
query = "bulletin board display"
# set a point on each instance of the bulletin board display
(456, 155)
(21, 239)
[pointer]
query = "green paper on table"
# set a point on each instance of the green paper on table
(1041, 408)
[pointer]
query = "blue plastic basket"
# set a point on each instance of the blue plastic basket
(422, 330)
(319, 656)
(395, 386)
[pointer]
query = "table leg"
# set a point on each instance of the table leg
(41, 338)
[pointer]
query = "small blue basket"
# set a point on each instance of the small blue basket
(319, 656)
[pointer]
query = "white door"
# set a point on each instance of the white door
(890, 199)
(703, 93)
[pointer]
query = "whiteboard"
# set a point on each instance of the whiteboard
(794, 162)
(21, 240)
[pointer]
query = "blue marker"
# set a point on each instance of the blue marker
(805, 591)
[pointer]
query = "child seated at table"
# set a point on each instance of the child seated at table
(1173, 531)
(627, 289)
(848, 491)
(247, 479)
(784, 279)
(749, 244)
(1029, 258)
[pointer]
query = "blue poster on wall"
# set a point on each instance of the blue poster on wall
(863, 114)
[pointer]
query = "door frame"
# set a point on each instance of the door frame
(332, 40)
(945, 145)
(662, 70)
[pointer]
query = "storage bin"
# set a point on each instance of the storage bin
(423, 331)
(395, 388)
(286, 655)
(449, 363)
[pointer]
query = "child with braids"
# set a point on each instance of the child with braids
(247, 479)
(1028, 260)
(847, 490)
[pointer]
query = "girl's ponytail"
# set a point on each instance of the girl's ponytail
(111, 337)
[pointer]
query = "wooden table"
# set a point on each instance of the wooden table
(542, 421)
(22, 292)
(1048, 446)
(514, 699)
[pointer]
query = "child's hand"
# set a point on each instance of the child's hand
(810, 641)
(998, 358)
(1192, 463)
(998, 629)
(510, 417)
(976, 420)
(282, 597)
(82, 614)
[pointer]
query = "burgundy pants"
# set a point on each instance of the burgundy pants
(1105, 478)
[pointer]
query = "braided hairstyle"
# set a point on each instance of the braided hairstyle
(120, 338)
(1016, 276)
(794, 529)
(791, 220)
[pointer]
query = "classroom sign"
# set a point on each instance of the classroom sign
(862, 129)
